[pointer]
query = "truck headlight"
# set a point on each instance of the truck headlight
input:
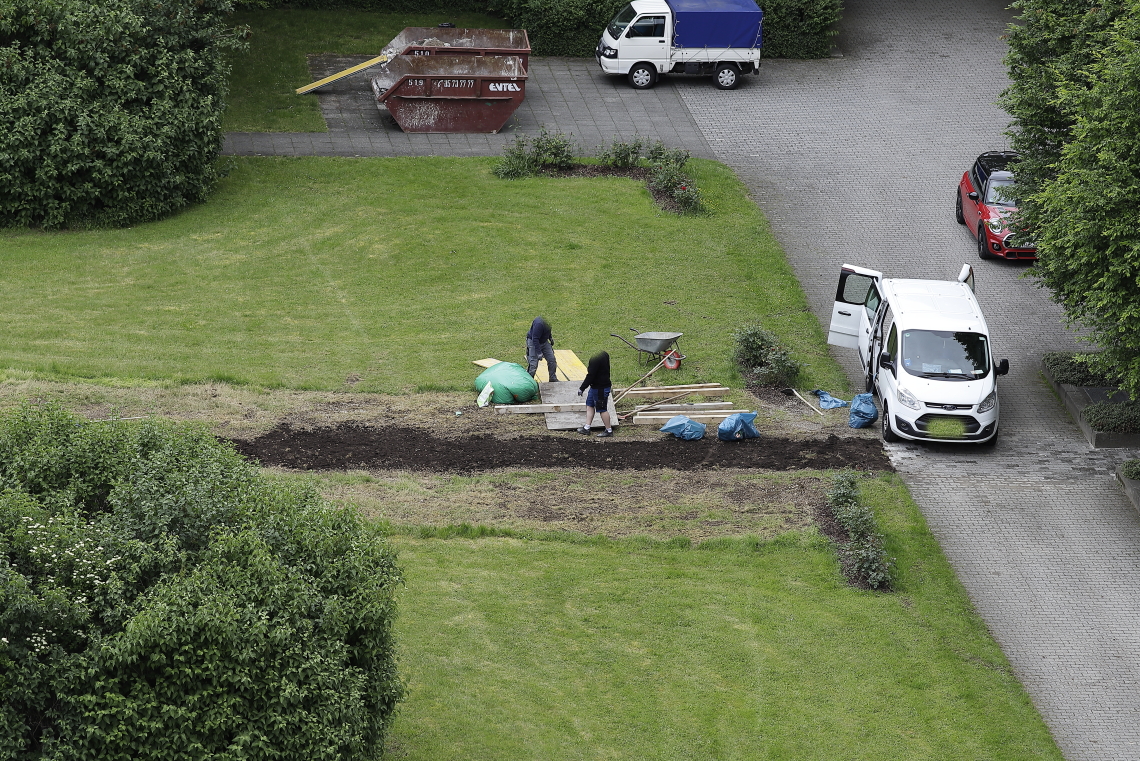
(907, 399)
(608, 52)
(989, 402)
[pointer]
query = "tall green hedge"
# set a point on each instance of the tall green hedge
(160, 600)
(792, 28)
(111, 108)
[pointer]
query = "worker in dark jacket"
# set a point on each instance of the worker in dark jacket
(540, 344)
(598, 381)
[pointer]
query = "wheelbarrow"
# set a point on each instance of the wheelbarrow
(660, 346)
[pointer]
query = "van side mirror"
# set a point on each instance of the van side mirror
(1002, 367)
(886, 362)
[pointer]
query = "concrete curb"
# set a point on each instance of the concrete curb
(1131, 486)
(1075, 402)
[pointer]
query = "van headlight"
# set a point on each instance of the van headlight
(608, 52)
(907, 399)
(989, 402)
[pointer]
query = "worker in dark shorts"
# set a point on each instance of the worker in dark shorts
(598, 381)
(540, 345)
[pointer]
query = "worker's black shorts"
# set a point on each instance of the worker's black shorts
(599, 400)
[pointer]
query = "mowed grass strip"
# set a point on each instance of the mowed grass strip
(264, 78)
(397, 273)
(529, 649)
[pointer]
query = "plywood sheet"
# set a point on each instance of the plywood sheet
(488, 362)
(566, 392)
(570, 368)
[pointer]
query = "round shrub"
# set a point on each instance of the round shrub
(762, 358)
(160, 599)
(112, 108)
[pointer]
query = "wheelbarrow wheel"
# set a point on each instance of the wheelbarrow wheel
(673, 360)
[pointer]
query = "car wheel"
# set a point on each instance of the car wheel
(889, 434)
(642, 76)
(983, 247)
(727, 77)
(958, 207)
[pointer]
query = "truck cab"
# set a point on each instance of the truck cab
(648, 38)
(924, 347)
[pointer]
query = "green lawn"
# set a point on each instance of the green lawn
(301, 272)
(264, 79)
(523, 649)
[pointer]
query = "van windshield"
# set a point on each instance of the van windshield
(945, 354)
(621, 21)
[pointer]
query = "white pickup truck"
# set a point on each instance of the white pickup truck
(648, 38)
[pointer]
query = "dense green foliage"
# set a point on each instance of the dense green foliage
(1074, 369)
(1113, 417)
(762, 357)
(1075, 100)
(1131, 469)
(111, 109)
(792, 28)
(160, 600)
(865, 551)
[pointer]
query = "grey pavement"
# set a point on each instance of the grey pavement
(569, 94)
(855, 159)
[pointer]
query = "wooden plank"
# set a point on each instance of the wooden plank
(570, 368)
(667, 393)
(679, 387)
(566, 392)
(488, 362)
(342, 74)
(695, 406)
(700, 417)
(530, 409)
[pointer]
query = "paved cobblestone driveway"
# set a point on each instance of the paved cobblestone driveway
(855, 159)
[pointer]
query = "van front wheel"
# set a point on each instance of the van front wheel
(727, 77)
(889, 434)
(642, 76)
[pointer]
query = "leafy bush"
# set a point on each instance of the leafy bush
(667, 178)
(1075, 369)
(621, 154)
(658, 153)
(160, 599)
(799, 28)
(526, 157)
(865, 553)
(1131, 469)
(112, 109)
(1113, 417)
(762, 357)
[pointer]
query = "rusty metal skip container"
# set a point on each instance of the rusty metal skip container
(430, 40)
(436, 93)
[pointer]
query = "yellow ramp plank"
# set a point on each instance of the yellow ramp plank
(568, 361)
(342, 74)
(488, 362)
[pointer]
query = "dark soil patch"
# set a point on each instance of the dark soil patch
(350, 445)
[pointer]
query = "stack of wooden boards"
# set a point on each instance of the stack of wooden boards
(557, 402)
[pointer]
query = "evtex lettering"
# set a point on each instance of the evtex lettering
(503, 87)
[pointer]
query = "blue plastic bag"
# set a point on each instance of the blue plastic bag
(863, 411)
(737, 426)
(827, 401)
(684, 428)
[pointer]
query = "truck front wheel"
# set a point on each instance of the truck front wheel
(642, 76)
(727, 77)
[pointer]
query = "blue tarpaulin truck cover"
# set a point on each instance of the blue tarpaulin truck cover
(716, 23)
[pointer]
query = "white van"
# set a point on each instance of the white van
(925, 348)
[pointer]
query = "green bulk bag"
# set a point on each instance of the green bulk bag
(512, 383)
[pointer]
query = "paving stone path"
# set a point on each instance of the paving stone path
(855, 159)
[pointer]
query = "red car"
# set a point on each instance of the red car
(984, 202)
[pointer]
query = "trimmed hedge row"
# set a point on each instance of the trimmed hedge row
(1074, 369)
(792, 28)
(865, 553)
